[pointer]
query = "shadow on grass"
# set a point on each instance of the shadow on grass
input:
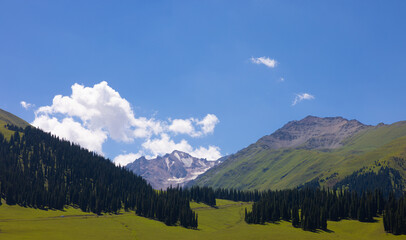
(309, 230)
(320, 231)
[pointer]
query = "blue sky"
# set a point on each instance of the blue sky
(187, 60)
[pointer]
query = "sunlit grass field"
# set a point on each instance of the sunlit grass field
(224, 222)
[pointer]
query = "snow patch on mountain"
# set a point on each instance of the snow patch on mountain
(177, 168)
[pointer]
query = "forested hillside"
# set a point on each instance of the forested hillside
(42, 171)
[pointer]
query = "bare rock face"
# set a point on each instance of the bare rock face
(177, 168)
(312, 133)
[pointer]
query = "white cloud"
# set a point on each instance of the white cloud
(208, 123)
(91, 115)
(71, 130)
(145, 128)
(25, 105)
(281, 79)
(211, 153)
(188, 126)
(271, 63)
(165, 144)
(124, 159)
(98, 107)
(182, 126)
(301, 97)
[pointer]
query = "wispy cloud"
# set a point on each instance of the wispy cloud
(302, 96)
(271, 63)
(25, 105)
(281, 79)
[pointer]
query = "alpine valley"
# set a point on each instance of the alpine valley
(322, 178)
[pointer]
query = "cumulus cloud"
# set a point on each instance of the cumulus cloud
(184, 126)
(271, 63)
(25, 105)
(208, 123)
(145, 128)
(194, 127)
(124, 159)
(91, 115)
(69, 129)
(302, 96)
(210, 153)
(164, 144)
(99, 108)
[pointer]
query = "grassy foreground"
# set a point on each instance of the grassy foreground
(225, 222)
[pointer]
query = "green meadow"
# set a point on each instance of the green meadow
(224, 222)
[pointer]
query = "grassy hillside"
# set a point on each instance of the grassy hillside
(226, 222)
(258, 168)
(3, 130)
(9, 118)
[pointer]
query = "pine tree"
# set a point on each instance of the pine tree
(295, 217)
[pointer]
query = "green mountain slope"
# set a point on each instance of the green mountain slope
(9, 118)
(259, 167)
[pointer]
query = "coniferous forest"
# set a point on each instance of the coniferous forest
(311, 208)
(394, 216)
(387, 179)
(42, 171)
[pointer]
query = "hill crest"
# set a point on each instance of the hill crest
(312, 133)
(12, 119)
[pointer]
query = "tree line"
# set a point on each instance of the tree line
(360, 196)
(202, 194)
(311, 208)
(316, 207)
(42, 171)
(387, 179)
(238, 195)
(394, 216)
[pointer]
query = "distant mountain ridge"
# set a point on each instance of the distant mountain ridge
(325, 150)
(313, 133)
(176, 168)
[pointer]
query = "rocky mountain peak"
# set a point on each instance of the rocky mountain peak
(312, 133)
(176, 168)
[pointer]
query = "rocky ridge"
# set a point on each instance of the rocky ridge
(177, 168)
(312, 133)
